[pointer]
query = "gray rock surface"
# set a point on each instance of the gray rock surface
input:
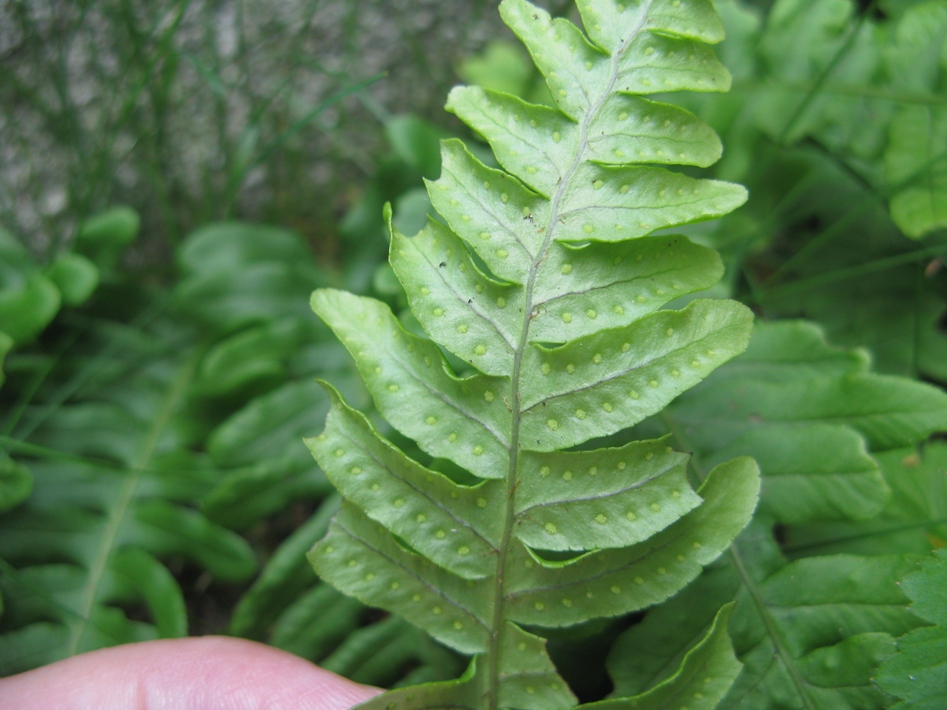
(192, 110)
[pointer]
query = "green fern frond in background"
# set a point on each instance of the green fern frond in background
(546, 285)
(918, 673)
(816, 612)
(108, 500)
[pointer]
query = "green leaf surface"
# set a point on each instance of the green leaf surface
(416, 143)
(104, 236)
(769, 387)
(266, 466)
(915, 159)
(591, 387)
(461, 419)
(75, 276)
(813, 472)
(274, 421)
(868, 88)
(806, 42)
(283, 577)
(704, 677)
(919, 208)
(316, 622)
(276, 273)
(365, 562)
(415, 503)
(112, 503)
(27, 307)
(461, 693)
(809, 633)
(626, 495)
(504, 67)
(918, 672)
(254, 357)
(377, 654)
(856, 274)
(6, 344)
(612, 582)
(529, 681)
(914, 518)
(16, 483)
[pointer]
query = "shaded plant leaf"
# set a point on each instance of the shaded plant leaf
(28, 299)
(316, 623)
(705, 675)
(915, 159)
(103, 237)
(275, 269)
(505, 67)
(801, 43)
(918, 672)
(834, 472)
(914, 519)
(6, 343)
(790, 377)
(113, 494)
(285, 575)
(416, 143)
(266, 465)
(813, 472)
(379, 653)
(256, 364)
(870, 91)
(16, 483)
(809, 632)
(75, 276)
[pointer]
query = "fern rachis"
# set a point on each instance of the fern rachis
(563, 329)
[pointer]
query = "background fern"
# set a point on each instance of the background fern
(107, 420)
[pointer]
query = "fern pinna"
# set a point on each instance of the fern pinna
(544, 278)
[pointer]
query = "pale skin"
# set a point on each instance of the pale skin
(206, 673)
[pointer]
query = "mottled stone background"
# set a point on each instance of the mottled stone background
(197, 110)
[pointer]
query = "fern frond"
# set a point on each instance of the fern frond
(546, 281)
(108, 428)
(113, 494)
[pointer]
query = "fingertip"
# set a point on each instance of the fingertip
(205, 672)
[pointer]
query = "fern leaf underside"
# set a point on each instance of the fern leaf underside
(546, 280)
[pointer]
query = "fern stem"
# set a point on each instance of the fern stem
(856, 271)
(746, 580)
(789, 663)
(125, 499)
(826, 73)
(493, 672)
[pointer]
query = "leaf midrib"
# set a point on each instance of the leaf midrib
(125, 499)
(493, 674)
(773, 632)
